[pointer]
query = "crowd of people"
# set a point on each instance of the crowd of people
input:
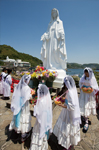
(67, 127)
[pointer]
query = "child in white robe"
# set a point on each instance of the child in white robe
(1, 85)
(87, 100)
(43, 125)
(20, 107)
(3, 74)
(7, 85)
(67, 127)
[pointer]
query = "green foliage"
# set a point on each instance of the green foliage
(76, 79)
(76, 66)
(73, 65)
(93, 66)
(97, 76)
(6, 50)
(1, 63)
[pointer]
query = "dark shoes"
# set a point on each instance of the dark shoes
(6, 98)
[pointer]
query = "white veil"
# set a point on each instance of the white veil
(21, 94)
(92, 79)
(43, 110)
(57, 15)
(72, 93)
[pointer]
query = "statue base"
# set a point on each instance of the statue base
(58, 82)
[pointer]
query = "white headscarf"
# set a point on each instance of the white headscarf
(43, 109)
(91, 78)
(72, 93)
(3, 75)
(21, 94)
(57, 19)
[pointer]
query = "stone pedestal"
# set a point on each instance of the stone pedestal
(58, 82)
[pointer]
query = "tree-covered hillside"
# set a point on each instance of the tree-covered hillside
(77, 66)
(74, 65)
(6, 50)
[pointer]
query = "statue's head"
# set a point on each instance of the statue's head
(54, 13)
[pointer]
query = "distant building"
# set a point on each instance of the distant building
(16, 63)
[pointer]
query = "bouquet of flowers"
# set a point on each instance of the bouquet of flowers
(33, 92)
(39, 69)
(43, 75)
(37, 74)
(58, 100)
(34, 100)
(87, 89)
(25, 72)
(49, 76)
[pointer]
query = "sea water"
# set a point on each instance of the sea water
(77, 72)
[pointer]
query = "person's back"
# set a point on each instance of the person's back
(4, 73)
(7, 85)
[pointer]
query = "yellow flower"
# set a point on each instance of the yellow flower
(50, 74)
(22, 73)
(33, 75)
(28, 73)
(40, 69)
(43, 73)
(53, 71)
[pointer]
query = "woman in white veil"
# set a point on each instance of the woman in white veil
(21, 121)
(87, 100)
(67, 127)
(43, 125)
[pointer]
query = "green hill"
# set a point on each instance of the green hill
(74, 65)
(77, 66)
(6, 50)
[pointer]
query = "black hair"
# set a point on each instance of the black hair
(9, 71)
(4, 69)
(64, 89)
(85, 71)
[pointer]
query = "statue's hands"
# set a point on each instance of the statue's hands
(45, 36)
(42, 37)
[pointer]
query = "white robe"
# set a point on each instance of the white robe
(87, 101)
(43, 125)
(2, 83)
(7, 86)
(66, 132)
(36, 142)
(25, 120)
(53, 51)
(1, 87)
(21, 121)
(3, 75)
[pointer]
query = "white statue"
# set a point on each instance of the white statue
(53, 51)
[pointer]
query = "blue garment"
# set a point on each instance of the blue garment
(48, 119)
(17, 117)
(66, 101)
(47, 133)
(86, 86)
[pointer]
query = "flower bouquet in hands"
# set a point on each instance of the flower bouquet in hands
(87, 89)
(33, 91)
(34, 100)
(58, 100)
